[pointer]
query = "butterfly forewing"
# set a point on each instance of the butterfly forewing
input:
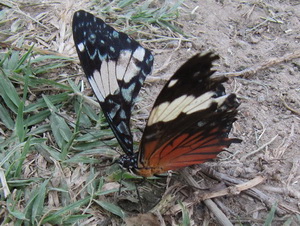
(190, 120)
(116, 67)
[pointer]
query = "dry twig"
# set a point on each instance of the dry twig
(253, 192)
(221, 217)
(288, 107)
(259, 149)
(253, 70)
(233, 190)
(279, 152)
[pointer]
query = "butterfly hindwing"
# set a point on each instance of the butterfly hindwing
(190, 120)
(116, 67)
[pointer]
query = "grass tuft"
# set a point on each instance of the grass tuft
(142, 15)
(52, 140)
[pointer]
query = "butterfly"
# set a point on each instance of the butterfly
(191, 117)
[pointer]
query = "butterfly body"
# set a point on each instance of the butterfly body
(191, 118)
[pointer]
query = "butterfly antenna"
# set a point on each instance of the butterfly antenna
(136, 188)
(120, 182)
(110, 164)
(139, 197)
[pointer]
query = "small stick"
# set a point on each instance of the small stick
(235, 189)
(221, 218)
(259, 149)
(279, 151)
(288, 107)
(253, 192)
(271, 62)
(286, 190)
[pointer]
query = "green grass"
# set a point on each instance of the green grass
(141, 15)
(48, 131)
(24, 126)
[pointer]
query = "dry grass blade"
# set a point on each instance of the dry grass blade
(233, 190)
(286, 142)
(3, 181)
(221, 218)
(288, 107)
(253, 192)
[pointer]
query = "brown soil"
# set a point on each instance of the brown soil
(261, 40)
(259, 48)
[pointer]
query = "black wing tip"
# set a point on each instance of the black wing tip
(82, 15)
(235, 140)
(79, 16)
(208, 56)
(232, 101)
(205, 59)
(81, 12)
(198, 66)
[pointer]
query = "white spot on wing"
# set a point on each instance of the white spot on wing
(122, 114)
(172, 83)
(92, 56)
(116, 34)
(92, 38)
(191, 105)
(220, 100)
(81, 47)
(106, 80)
(200, 103)
(166, 111)
(104, 73)
(169, 111)
(122, 63)
(139, 53)
(114, 110)
(97, 85)
(127, 93)
(153, 118)
(123, 128)
(113, 83)
(132, 71)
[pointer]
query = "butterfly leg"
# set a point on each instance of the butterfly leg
(139, 196)
(120, 182)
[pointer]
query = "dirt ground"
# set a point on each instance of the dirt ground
(258, 43)
(251, 36)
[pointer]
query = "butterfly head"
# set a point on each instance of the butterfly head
(128, 162)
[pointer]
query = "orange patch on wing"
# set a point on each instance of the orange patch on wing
(181, 152)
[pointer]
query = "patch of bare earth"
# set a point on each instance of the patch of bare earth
(258, 43)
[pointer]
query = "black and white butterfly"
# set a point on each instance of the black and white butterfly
(191, 117)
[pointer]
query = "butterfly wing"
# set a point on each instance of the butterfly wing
(190, 120)
(116, 67)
